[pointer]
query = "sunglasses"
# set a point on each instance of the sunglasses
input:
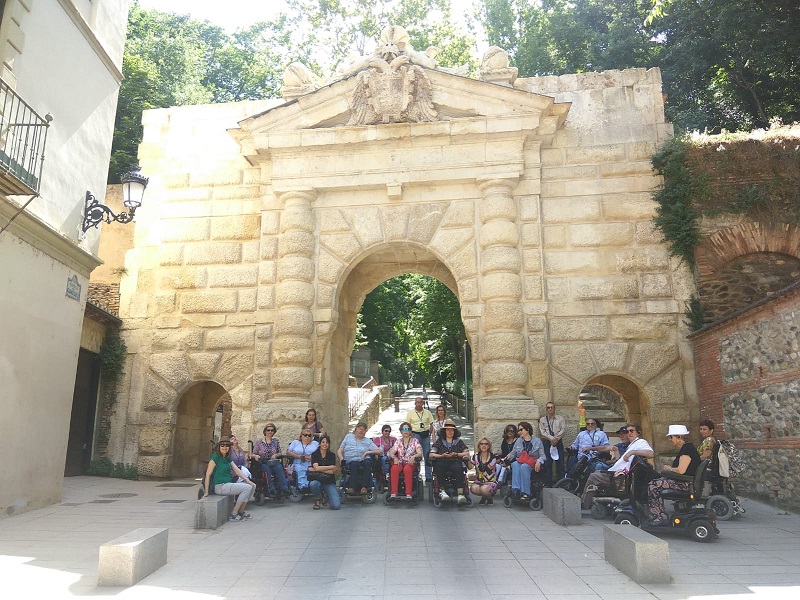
(405, 429)
(305, 435)
(631, 430)
(225, 445)
(272, 430)
(483, 444)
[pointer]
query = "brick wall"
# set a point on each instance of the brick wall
(748, 380)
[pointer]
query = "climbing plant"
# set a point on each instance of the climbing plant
(755, 174)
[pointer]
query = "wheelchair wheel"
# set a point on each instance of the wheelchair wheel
(507, 502)
(702, 531)
(535, 503)
(370, 496)
(599, 511)
(626, 519)
(387, 498)
(294, 494)
(571, 485)
(437, 502)
(201, 492)
(721, 506)
(259, 498)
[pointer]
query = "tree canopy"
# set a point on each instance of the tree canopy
(726, 64)
(412, 326)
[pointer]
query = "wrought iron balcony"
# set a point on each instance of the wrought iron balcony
(23, 135)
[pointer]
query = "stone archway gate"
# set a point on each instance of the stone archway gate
(266, 223)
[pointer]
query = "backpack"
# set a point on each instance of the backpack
(729, 460)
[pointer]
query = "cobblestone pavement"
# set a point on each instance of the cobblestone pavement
(374, 551)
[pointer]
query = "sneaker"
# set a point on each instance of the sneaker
(236, 518)
(409, 497)
(443, 496)
(245, 515)
(351, 492)
(461, 499)
(489, 502)
(483, 501)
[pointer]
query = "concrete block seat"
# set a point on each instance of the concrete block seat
(132, 557)
(640, 555)
(212, 511)
(561, 507)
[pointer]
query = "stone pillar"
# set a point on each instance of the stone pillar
(502, 350)
(293, 357)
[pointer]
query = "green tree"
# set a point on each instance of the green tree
(337, 29)
(412, 326)
(554, 37)
(173, 60)
(729, 64)
(726, 64)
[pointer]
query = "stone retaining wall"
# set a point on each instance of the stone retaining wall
(748, 371)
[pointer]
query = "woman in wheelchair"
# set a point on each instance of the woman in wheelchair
(525, 457)
(449, 451)
(404, 456)
(685, 464)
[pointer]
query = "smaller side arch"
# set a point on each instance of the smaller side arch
(727, 244)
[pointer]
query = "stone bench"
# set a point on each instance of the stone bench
(561, 506)
(212, 511)
(640, 555)
(132, 557)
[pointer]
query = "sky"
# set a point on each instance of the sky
(233, 14)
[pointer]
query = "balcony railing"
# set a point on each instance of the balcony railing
(23, 135)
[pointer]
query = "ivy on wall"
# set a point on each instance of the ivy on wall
(755, 174)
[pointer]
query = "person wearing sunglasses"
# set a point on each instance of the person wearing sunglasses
(385, 442)
(267, 454)
(220, 473)
(588, 443)
(404, 456)
(633, 445)
(301, 450)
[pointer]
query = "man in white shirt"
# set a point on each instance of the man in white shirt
(637, 446)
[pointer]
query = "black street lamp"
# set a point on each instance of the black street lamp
(133, 186)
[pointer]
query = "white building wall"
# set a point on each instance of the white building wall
(62, 57)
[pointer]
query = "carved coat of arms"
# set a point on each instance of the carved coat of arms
(390, 87)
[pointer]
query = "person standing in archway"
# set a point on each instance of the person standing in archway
(551, 429)
(421, 420)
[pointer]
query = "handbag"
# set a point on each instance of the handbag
(324, 478)
(526, 459)
(554, 452)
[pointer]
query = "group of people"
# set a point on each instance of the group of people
(425, 436)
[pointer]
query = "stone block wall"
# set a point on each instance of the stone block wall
(748, 369)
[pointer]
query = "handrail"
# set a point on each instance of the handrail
(23, 137)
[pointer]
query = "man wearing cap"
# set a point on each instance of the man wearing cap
(357, 451)
(631, 445)
(551, 430)
(421, 421)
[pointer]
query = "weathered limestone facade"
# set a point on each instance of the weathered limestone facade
(267, 223)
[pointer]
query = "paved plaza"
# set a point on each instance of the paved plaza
(290, 551)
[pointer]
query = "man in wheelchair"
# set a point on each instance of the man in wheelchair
(602, 480)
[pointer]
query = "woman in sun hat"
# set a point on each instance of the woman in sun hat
(686, 462)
